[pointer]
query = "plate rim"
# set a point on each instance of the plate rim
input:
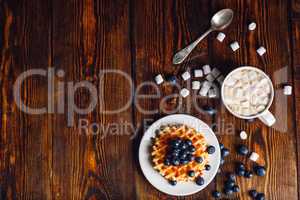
(196, 119)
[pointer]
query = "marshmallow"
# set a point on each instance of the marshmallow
(260, 108)
(238, 93)
(230, 81)
(264, 101)
(159, 79)
(261, 50)
(196, 85)
(245, 104)
(205, 88)
(184, 92)
(220, 79)
(198, 73)
(210, 78)
(215, 72)
(287, 90)
(186, 76)
(252, 26)
(221, 36)
(254, 156)
(234, 46)
(243, 135)
(212, 93)
(206, 69)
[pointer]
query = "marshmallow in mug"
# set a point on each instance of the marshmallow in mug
(247, 92)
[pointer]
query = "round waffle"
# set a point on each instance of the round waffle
(159, 150)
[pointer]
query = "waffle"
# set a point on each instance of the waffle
(159, 149)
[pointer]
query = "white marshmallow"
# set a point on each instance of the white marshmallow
(252, 26)
(186, 76)
(215, 72)
(159, 79)
(287, 90)
(234, 46)
(243, 135)
(260, 108)
(221, 36)
(230, 81)
(212, 93)
(184, 92)
(264, 101)
(254, 156)
(198, 73)
(245, 104)
(210, 78)
(261, 50)
(206, 69)
(220, 79)
(238, 93)
(205, 88)
(196, 85)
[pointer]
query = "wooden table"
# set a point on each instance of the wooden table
(43, 158)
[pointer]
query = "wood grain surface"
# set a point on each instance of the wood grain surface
(118, 46)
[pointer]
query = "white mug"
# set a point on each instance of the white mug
(265, 116)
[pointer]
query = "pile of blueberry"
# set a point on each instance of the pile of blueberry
(224, 153)
(181, 152)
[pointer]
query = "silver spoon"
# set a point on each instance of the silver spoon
(218, 22)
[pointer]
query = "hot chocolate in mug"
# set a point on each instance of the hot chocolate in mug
(247, 93)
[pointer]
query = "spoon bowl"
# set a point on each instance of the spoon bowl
(221, 19)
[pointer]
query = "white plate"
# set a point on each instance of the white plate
(159, 182)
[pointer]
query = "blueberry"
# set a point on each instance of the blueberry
(236, 188)
(188, 142)
(231, 177)
(260, 171)
(184, 162)
(224, 152)
(260, 196)
(183, 156)
(253, 193)
(229, 184)
(221, 146)
(209, 110)
(207, 167)
(183, 146)
(240, 166)
(199, 159)
(171, 79)
(248, 174)
(167, 162)
(174, 154)
(191, 149)
(173, 182)
(175, 162)
(175, 143)
(191, 173)
(211, 149)
(228, 191)
(216, 194)
(199, 180)
(190, 157)
(240, 172)
(242, 150)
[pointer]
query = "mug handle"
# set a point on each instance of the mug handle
(267, 118)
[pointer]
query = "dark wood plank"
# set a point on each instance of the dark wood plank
(25, 156)
(296, 83)
(273, 33)
(90, 36)
(160, 29)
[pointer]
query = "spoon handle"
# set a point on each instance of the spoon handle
(181, 55)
